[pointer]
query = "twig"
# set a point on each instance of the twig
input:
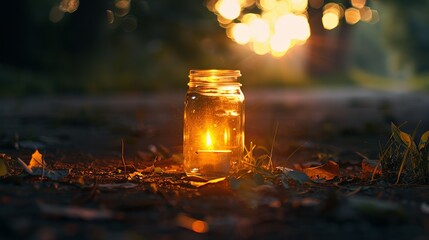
(272, 146)
(123, 159)
(296, 150)
(401, 168)
(26, 168)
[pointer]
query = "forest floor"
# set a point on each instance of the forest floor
(96, 197)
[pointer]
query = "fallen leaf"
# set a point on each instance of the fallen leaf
(51, 174)
(3, 168)
(403, 138)
(26, 168)
(154, 187)
(135, 174)
(37, 171)
(36, 160)
(424, 140)
(370, 167)
(200, 184)
(291, 174)
(327, 171)
(158, 170)
(194, 178)
(75, 212)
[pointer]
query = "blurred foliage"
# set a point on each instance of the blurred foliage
(83, 53)
(98, 49)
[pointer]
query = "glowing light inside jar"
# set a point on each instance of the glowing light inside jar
(209, 143)
(216, 161)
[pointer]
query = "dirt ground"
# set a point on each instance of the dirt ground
(97, 199)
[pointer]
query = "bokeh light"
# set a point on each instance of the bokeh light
(298, 5)
(332, 13)
(365, 14)
(198, 226)
(280, 25)
(122, 7)
(241, 33)
(229, 9)
(275, 26)
(358, 3)
(330, 20)
(259, 29)
(69, 5)
(352, 15)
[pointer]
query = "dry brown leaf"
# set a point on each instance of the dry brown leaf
(36, 160)
(369, 167)
(327, 171)
(3, 168)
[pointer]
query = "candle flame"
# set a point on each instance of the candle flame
(209, 142)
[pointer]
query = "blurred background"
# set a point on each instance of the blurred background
(54, 47)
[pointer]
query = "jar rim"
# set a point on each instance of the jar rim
(214, 72)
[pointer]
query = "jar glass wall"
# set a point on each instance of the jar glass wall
(213, 139)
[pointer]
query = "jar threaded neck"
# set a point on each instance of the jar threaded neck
(214, 73)
(214, 76)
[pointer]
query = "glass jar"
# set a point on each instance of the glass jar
(213, 137)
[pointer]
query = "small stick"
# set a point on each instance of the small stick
(26, 168)
(272, 146)
(123, 159)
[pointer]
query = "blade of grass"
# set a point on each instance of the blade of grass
(401, 168)
(270, 163)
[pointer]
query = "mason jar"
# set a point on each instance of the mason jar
(213, 136)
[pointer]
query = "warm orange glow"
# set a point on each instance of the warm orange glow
(209, 143)
(358, 3)
(259, 29)
(365, 14)
(280, 43)
(110, 16)
(261, 48)
(240, 32)
(352, 15)
(330, 20)
(281, 24)
(332, 13)
(335, 8)
(278, 54)
(193, 224)
(225, 137)
(122, 4)
(298, 5)
(199, 226)
(69, 5)
(122, 7)
(248, 17)
(282, 7)
(268, 4)
(294, 26)
(229, 9)
(301, 31)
